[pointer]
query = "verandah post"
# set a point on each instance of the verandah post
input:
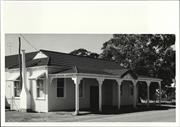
(119, 93)
(76, 82)
(160, 92)
(148, 85)
(134, 93)
(100, 82)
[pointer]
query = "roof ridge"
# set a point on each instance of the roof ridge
(25, 53)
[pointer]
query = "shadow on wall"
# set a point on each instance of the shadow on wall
(7, 105)
(32, 94)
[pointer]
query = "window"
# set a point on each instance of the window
(17, 88)
(121, 90)
(60, 87)
(132, 90)
(40, 88)
(81, 89)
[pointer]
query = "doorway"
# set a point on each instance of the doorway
(127, 93)
(94, 98)
(108, 95)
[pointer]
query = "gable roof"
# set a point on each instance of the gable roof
(12, 61)
(63, 59)
(131, 73)
(60, 59)
(67, 63)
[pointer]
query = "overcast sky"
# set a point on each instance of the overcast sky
(56, 42)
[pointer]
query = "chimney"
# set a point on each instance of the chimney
(24, 96)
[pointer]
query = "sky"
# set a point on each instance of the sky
(55, 42)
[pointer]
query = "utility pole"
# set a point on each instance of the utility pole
(25, 98)
(20, 63)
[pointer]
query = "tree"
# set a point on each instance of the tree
(146, 54)
(167, 68)
(84, 52)
(121, 47)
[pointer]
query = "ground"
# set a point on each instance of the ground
(142, 114)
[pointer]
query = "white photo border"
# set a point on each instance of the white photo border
(152, 24)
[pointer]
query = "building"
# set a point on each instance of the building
(59, 81)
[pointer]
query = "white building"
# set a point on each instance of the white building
(59, 81)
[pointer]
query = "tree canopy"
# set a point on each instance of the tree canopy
(84, 52)
(146, 54)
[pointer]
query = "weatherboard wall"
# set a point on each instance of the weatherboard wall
(39, 105)
(68, 101)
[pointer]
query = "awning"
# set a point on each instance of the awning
(37, 75)
(13, 77)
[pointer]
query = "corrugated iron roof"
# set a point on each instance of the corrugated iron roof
(67, 63)
(57, 58)
(12, 60)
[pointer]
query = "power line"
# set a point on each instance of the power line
(28, 42)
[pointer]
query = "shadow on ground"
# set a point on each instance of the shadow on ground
(112, 110)
(126, 109)
(86, 115)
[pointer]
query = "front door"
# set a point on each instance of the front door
(108, 89)
(94, 97)
(126, 93)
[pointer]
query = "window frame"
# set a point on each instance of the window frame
(43, 88)
(121, 89)
(14, 87)
(132, 90)
(60, 87)
(82, 88)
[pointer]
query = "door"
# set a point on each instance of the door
(126, 93)
(108, 89)
(94, 97)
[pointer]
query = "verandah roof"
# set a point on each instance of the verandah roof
(37, 74)
(13, 77)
